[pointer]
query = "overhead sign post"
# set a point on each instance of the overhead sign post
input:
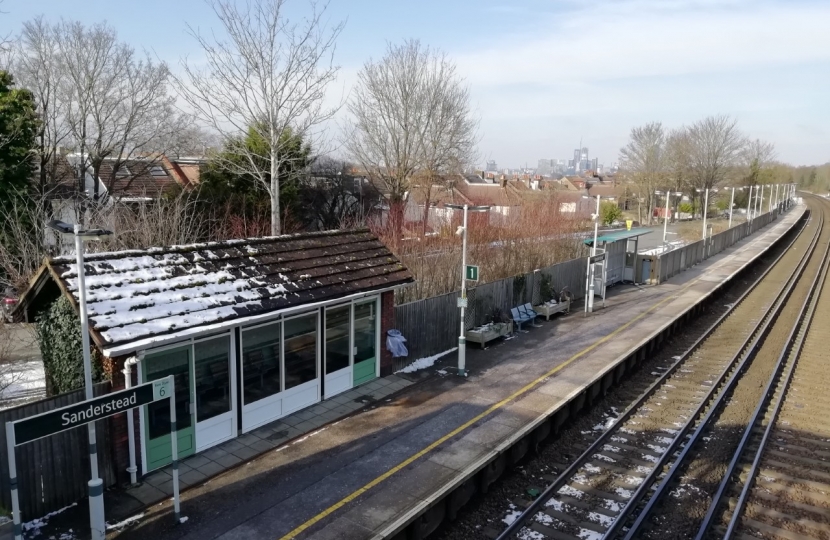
(79, 414)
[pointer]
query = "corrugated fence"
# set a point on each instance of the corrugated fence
(432, 325)
(53, 472)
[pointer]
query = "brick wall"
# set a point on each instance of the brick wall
(387, 322)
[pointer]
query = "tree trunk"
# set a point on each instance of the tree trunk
(275, 194)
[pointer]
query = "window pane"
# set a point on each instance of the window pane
(260, 362)
(337, 338)
(174, 362)
(300, 350)
(364, 331)
(213, 381)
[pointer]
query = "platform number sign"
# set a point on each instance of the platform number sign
(161, 389)
(471, 272)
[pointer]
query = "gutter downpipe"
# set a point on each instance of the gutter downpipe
(128, 383)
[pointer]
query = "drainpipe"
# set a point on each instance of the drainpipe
(128, 383)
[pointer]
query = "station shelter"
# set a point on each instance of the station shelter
(620, 249)
(251, 329)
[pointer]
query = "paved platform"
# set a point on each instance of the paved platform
(367, 475)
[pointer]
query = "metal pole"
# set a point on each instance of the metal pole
(591, 265)
(776, 194)
(749, 207)
(10, 444)
(666, 220)
(97, 523)
(731, 204)
(128, 383)
(174, 442)
(705, 208)
(462, 340)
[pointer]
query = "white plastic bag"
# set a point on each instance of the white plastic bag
(395, 343)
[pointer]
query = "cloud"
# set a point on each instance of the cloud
(597, 68)
(606, 41)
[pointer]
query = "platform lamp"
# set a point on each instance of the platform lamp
(95, 485)
(732, 202)
(462, 232)
(705, 206)
(668, 195)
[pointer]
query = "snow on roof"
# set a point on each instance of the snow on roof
(133, 295)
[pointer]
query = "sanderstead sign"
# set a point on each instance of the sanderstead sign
(49, 423)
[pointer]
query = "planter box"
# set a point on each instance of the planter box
(489, 332)
(548, 309)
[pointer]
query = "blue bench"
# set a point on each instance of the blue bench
(523, 314)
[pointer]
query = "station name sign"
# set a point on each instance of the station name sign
(49, 423)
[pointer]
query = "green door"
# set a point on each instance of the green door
(365, 342)
(176, 362)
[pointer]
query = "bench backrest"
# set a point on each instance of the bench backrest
(516, 315)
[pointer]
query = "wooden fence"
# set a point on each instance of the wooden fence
(432, 325)
(53, 472)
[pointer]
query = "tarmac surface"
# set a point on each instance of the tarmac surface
(366, 475)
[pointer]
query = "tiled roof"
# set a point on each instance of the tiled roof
(133, 295)
(136, 179)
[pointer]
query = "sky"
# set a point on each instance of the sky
(545, 75)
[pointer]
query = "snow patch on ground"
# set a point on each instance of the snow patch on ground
(126, 523)
(22, 380)
(36, 524)
(424, 363)
(512, 515)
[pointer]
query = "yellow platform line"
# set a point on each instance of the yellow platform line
(518, 393)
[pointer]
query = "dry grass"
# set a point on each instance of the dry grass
(532, 237)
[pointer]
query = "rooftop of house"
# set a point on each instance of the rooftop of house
(137, 296)
(135, 179)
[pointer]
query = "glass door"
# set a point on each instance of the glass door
(337, 350)
(213, 390)
(174, 362)
(365, 342)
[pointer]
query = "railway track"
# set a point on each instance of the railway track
(778, 483)
(614, 486)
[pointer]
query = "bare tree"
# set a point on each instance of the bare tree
(411, 118)
(715, 146)
(39, 69)
(117, 102)
(643, 160)
(269, 76)
(678, 162)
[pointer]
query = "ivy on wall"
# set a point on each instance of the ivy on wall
(59, 337)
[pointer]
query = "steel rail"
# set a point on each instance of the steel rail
(562, 478)
(796, 344)
(736, 374)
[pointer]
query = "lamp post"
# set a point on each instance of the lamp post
(705, 208)
(95, 484)
(749, 206)
(777, 201)
(668, 195)
(589, 278)
(732, 203)
(462, 231)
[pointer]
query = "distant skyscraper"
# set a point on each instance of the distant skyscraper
(491, 166)
(545, 166)
(595, 164)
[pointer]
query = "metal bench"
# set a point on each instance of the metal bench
(519, 318)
